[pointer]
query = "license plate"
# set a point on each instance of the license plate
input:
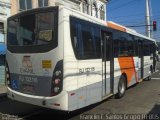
(28, 88)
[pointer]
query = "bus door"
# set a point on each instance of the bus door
(141, 60)
(107, 63)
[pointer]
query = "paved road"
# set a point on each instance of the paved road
(143, 98)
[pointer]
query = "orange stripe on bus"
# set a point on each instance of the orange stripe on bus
(136, 76)
(114, 26)
(127, 66)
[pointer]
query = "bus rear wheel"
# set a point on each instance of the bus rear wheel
(121, 87)
(151, 69)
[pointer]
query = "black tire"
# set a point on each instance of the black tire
(121, 87)
(149, 77)
(151, 69)
(151, 72)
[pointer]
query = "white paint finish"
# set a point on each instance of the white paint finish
(61, 99)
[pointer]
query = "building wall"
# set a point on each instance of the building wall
(2, 70)
(74, 4)
(14, 7)
(5, 7)
(51, 2)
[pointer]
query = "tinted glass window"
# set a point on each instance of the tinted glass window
(85, 39)
(45, 2)
(45, 27)
(124, 44)
(42, 3)
(26, 29)
(12, 32)
(24, 33)
(152, 47)
(33, 31)
(106, 45)
(22, 4)
(25, 4)
(136, 45)
(148, 48)
(29, 4)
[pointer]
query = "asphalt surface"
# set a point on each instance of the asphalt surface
(141, 101)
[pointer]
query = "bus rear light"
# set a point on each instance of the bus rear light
(56, 89)
(8, 76)
(57, 81)
(56, 104)
(58, 73)
(7, 69)
(72, 94)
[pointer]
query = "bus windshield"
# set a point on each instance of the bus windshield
(32, 29)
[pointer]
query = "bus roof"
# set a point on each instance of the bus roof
(119, 27)
(92, 19)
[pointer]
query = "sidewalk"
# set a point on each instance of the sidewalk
(3, 90)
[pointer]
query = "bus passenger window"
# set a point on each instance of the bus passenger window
(75, 41)
(45, 28)
(85, 40)
(12, 32)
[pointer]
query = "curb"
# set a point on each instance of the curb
(3, 91)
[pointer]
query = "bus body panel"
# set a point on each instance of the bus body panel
(83, 81)
(59, 102)
(42, 73)
(34, 74)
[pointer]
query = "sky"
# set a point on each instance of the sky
(132, 13)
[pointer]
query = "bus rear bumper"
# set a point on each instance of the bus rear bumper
(59, 102)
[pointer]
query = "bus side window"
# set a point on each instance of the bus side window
(124, 44)
(85, 39)
(75, 41)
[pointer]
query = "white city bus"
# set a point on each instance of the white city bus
(63, 59)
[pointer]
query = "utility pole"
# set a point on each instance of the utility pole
(148, 27)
